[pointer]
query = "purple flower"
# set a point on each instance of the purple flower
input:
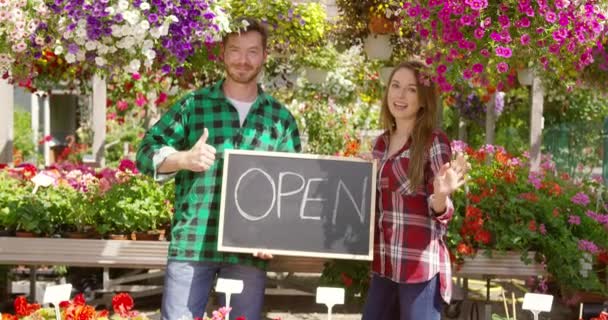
(600, 218)
(166, 69)
(458, 146)
(502, 67)
(575, 220)
(580, 198)
(589, 246)
(535, 179)
(152, 18)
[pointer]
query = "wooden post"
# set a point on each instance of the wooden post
(35, 113)
(491, 120)
(6, 122)
(46, 128)
(98, 100)
(536, 123)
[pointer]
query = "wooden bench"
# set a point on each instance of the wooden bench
(153, 255)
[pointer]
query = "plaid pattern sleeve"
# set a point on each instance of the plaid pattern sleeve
(269, 126)
(409, 244)
(440, 153)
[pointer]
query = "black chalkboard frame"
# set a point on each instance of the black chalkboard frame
(300, 253)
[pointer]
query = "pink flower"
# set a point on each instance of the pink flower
(580, 198)
(563, 20)
(550, 16)
(525, 39)
(466, 20)
(487, 22)
(479, 33)
(478, 68)
(122, 105)
(504, 52)
(467, 74)
(574, 220)
(504, 21)
(441, 69)
(136, 76)
(477, 5)
(485, 52)
(502, 67)
(524, 22)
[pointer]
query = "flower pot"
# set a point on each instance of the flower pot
(119, 237)
(525, 76)
(385, 73)
(315, 76)
(378, 46)
(25, 234)
(148, 235)
(379, 24)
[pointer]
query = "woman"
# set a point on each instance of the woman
(411, 274)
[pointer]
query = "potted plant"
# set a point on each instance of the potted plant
(318, 62)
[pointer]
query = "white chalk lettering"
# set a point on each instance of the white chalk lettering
(236, 199)
(359, 210)
(306, 199)
(282, 194)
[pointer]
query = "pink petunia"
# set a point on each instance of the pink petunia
(525, 39)
(478, 68)
(502, 67)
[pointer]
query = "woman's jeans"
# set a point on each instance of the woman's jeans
(387, 299)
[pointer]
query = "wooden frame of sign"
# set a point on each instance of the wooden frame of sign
(341, 229)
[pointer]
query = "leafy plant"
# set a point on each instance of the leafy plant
(24, 146)
(322, 57)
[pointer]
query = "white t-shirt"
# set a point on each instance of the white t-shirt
(242, 107)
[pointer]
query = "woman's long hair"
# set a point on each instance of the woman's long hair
(425, 119)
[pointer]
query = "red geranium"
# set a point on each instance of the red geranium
(23, 308)
(122, 304)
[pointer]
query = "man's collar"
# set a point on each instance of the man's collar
(217, 92)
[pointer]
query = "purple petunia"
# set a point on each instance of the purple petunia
(580, 198)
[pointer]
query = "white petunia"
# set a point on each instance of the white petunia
(81, 56)
(116, 31)
(100, 61)
(147, 44)
(134, 66)
(144, 6)
(70, 58)
(110, 10)
(58, 50)
(150, 54)
(144, 24)
(90, 45)
(123, 5)
(155, 33)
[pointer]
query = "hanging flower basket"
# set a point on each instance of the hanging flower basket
(378, 46)
(315, 76)
(525, 76)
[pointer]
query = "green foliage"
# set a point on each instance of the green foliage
(352, 275)
(134, 204)
(23, 134)
(322, 57)
(291, 26)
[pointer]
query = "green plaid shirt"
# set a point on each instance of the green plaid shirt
(269, 126)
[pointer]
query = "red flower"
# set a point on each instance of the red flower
(529, 196)
(532, 225)
(23, 308)
(464, 249)
(3, 165)
(240, 318)
(348, 281)
(483, 236)
(79, 300)
(122, 303)
(555, 212)
(64, 304)
(603, 257)
(162, 97)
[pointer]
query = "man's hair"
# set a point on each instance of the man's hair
(247, 24)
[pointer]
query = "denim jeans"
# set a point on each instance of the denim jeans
(387, 299)
(188, 284)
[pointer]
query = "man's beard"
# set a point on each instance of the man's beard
(246, 77)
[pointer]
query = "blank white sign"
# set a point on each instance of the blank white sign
(57, 294)
(330, 296)
(538, 302)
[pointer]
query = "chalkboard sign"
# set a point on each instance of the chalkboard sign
(297, 204)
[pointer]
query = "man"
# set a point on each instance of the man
(188, 142)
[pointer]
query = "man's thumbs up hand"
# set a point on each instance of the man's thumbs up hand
(201, 157)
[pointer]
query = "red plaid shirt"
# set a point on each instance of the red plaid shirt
(409, 244)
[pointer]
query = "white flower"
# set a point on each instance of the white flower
(147, 44)
(173, 18)
(70, 58)
(17, 13)
(81, 32)
(80, 56)
(134, 66)
(132, 17)
(90, 45)
(110, 10)
(102, 49)
(19, 47)
(155, 33)
(123, 5)
(164, 30)
(144, 24)
(80, 40)
(148, 63)
(150, 54)
(144, 6)
(58, 50)
(100, 61)
(39, 40)
(112, 49)
(82, 23)
(116, 31)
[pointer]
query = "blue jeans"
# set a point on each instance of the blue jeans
(188, 284)
(387, 299)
